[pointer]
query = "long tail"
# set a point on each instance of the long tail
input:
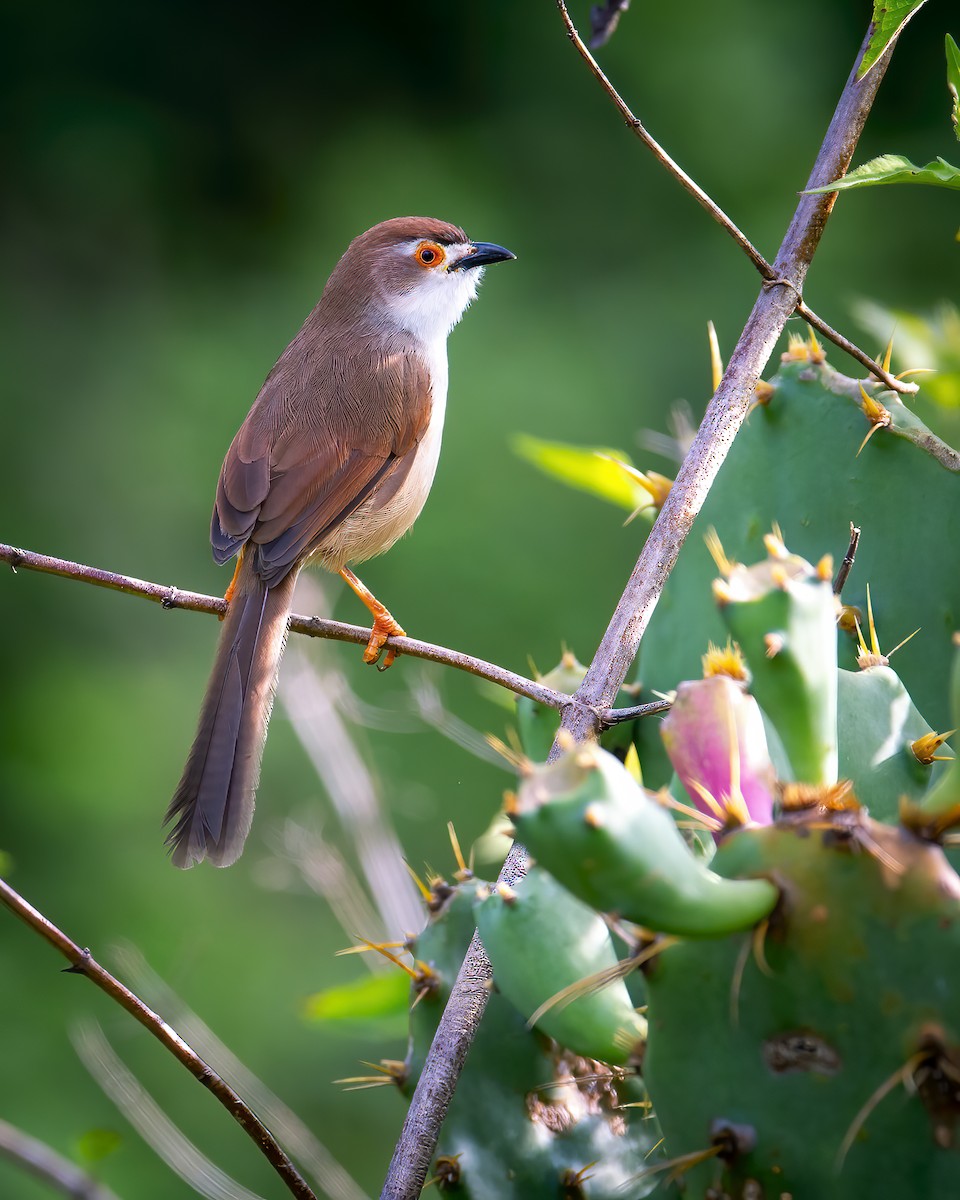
(213, 805)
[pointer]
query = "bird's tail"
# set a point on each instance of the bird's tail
(213, 805)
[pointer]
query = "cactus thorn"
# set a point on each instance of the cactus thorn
(848, 618)
(878, 416)
(722, 592)
(510, 754)
(816, 350)
(447, 1172)
(825, 568)
(422, 888)
(716, 362)
(774, 544)
(779, 577)
(593, 816)
(925, 748)
(773, 644)
(369, 946)
(888, 353)
(715, 547)
(506, 893)
(727, 660)
(464, 871)
(762, 394)
(390, 1070)
(900, 1075)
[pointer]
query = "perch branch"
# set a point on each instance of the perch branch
(43, 1162)
(83, 963)
(770, 275)
(724, 416)
(172, 597)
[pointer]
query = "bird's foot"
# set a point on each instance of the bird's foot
(384, 626)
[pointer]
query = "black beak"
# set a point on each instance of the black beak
(482, 254)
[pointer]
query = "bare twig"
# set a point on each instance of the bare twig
(43, 1162)
(771, 276)
(724, 416)
(83, 963)
(173, 597)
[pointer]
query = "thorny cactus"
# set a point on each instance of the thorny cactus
(785, 1014)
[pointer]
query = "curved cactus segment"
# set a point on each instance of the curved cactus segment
(783, 613)
(542, 942)
(877, 724)
(714, 735)
(616, 847)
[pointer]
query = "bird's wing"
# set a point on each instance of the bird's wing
(312, 449)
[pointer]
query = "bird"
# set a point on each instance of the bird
(331, 466)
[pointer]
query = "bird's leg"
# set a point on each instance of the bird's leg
(384, 624)
(228, 594)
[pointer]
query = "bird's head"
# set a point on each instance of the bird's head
(415, 273)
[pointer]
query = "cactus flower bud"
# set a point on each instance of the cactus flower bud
(715, 738)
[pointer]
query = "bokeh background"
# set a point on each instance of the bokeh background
(178, 181)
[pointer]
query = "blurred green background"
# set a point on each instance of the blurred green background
(178, 182)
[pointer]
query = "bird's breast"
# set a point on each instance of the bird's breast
(390, 511)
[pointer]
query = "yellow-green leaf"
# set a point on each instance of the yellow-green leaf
(591, 469)
(94, 1145)
(894, 168)
(889, 18)
(371, 998)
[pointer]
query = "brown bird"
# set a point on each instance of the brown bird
(332, 465)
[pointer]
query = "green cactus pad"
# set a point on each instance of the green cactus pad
(783, 615)
(541, 941)
(616, 847)
(876, 725)
(825, 1057)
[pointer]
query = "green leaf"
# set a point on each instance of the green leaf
(600, 472)
(889, 17)
(97, 1144)
(370, 998)
(953, 82)
(894, 168)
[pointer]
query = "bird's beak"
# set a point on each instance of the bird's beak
(481, 254)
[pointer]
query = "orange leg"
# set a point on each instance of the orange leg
(384, 625)
(228, 594)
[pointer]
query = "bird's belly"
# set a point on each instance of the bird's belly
(388, 513)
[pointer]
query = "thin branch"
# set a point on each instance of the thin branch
(83, 963)
(173, 597)
(769, 273)
(43, 1162)
(725, 414)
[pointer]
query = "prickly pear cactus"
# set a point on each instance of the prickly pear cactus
(803, 990)
(533, 1117)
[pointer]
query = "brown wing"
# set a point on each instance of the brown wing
(323, 435)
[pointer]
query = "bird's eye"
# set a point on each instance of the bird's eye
(428, 254)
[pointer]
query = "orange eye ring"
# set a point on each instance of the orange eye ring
(429, 254)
